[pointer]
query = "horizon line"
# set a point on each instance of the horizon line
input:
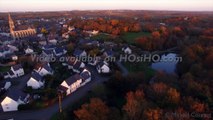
(21, 11)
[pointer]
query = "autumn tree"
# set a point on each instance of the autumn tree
(173, 97)
(136, 27)
(178, 31)
(135, 104)
(153, 114)
(45, 33)
(95, 110)
(114, 22)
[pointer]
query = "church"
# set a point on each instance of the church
(17, 34)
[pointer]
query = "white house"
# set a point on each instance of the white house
(59, 51)
(9, 74)
(70, 28)
(127, 50)
(79, 53)
(35, 81)
(53, 41)
(17, 70)
(4, 51)
(28, 50)
(44, 69)
(13, 100)
(77, 66)
(6, 85)
(47, 54)
(13, 48)
(86, 76)
(71, 84)
(94, 61)
(103, 67)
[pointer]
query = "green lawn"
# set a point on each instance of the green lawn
(4, 69)
(131, 36)
(140, 66)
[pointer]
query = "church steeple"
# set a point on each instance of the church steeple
(11, 23)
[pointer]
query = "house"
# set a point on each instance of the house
(77, 66)
(79, 53)
(11, 56)
(44, 69)
(28, 50)
(127, 50)
(17, 70)
(59, 51)
(4, 51)
(9, 74)
(35, 81)
(71, 62)
(5, 85)
(52, 39)
(47, 53)
(108, 53)
(12, 48)
(48, 47)
(94, 61)
(86, 76)
(71, 28)
(102, 67)
(71, 84)
(94, 32)
(13, 99)
(65, 35)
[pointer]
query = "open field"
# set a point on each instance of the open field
(131, 36)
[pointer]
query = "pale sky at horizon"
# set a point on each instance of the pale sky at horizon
(58, 5)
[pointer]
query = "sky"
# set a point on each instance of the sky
(59, 5)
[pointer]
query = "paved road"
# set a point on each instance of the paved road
(45, 114)
(124, 71)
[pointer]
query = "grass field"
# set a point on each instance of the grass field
(140, 67)
(4, 69)
(131, 36)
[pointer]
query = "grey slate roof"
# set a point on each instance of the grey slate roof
(16, 94)
(77, 65)
(77, 52)
(85, 75)
(62, 88)
(36, 76)
(47, 67)
(73, 79)
(17, 67)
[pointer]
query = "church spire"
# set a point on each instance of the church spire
(11, 23)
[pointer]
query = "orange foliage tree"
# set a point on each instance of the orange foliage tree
(95, 110)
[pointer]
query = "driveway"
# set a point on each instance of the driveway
(46, 113)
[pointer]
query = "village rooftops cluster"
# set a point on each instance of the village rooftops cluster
(48, 45)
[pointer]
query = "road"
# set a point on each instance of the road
(124, 71)
(45, 114)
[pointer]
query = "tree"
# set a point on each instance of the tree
(136, 27)
(114, 22)
(156, 35)
(178, 31)
(173, 96)
(135, 104)
(45, 33)
(208, 61)
(95, 110)
(153, 114)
